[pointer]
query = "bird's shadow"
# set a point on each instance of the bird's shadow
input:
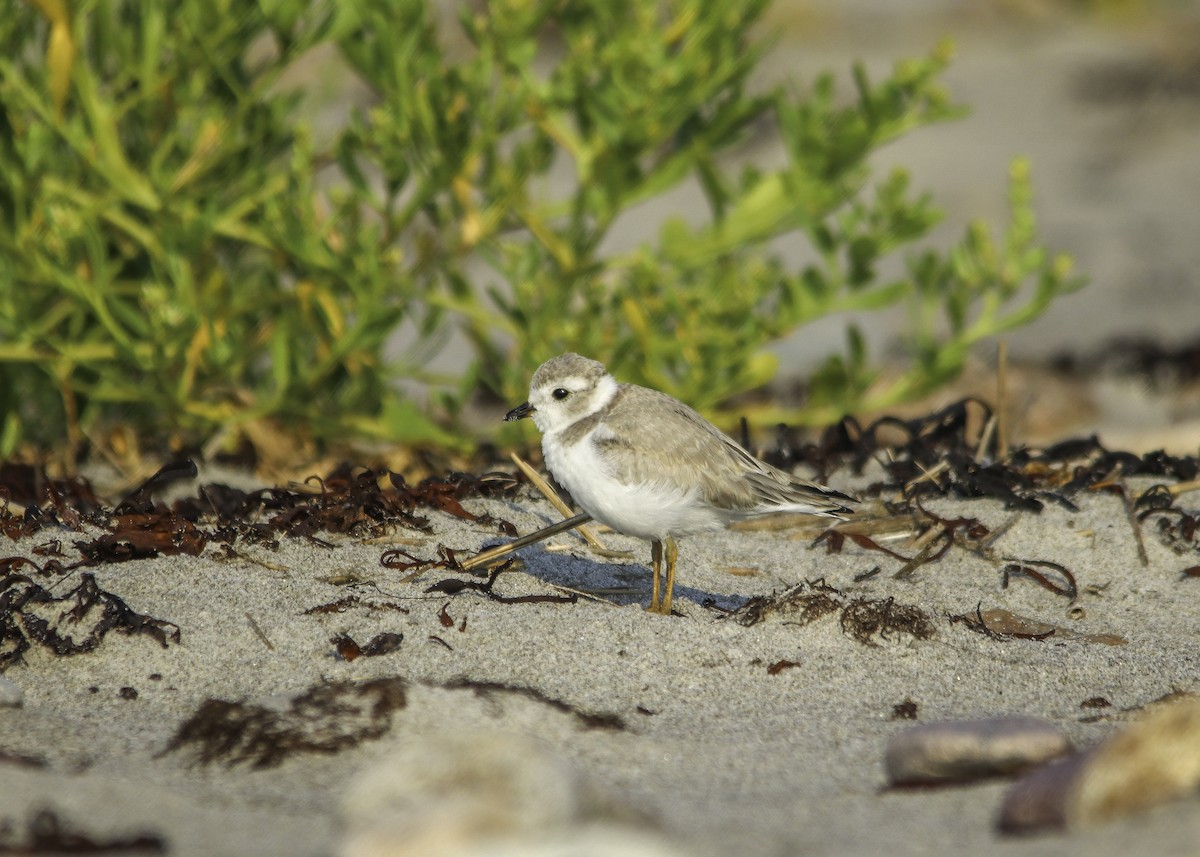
(617, 582)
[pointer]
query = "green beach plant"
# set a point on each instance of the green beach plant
(181, 249)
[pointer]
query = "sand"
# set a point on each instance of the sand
(669, 735)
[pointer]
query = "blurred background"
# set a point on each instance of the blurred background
(1104, 98)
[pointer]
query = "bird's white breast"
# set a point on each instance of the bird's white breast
(648, 510)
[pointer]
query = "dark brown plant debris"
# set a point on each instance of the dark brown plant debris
(1029, 568)
(1106, 711)
(779, 666)
(1150, 359)
(863, 619)
(69, 624)
(937, 455)
(50, 835)
(21, 760)
(327, 718)
(349, 500)
(1001, 624)
(381, 644)
(348, 602)
(1177, 528)
(489, 689)
(805, 602)
(454, 585)
(906, 710)
(936, 536)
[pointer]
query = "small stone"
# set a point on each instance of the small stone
(11, 695)
(465, 793)
(1149, 762)
(965, 750)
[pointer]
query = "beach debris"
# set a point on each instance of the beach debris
(356, 501)
(956, 751)
(23, 760)
(940, 454)
(48, 834)
(1001, 624)
(1029, 568)
(348, 602)
(69, 624)
(383, 643)
(455, 585)
(604, 720)
(1153, 760)
(1106, 711)
(805, 602)
(862, 619)
(905, 710)
(1177, 529)
(326, 718)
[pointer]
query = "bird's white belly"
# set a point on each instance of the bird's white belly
(648, 510)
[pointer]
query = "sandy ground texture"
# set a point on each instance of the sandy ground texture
(548, 727)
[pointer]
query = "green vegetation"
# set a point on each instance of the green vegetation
(179, 251)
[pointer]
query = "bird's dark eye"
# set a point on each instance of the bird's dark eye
(560, 393)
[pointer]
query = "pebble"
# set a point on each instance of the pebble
(965, 750)
(466, 794)
(1152, 761)
(11, 695)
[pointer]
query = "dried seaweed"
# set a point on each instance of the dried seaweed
(48, 834)
(946, 442)
(70, 624)
(454, 585)
(1177, 528)
(805, 602)
(862, 619)
(349, 500)
(341, 605)
(327, 718)
(381, 644)
(587, 719)
(1026, 568)
(1000, 624)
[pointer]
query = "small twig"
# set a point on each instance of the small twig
(927, 537)
(583, 593)
(1184, 487)
(259, 631)
(245, 557)
(557, 502)
(985, 437)
(504, 550)
(994, 536)
(1131, 514)
(928, 475)
(1001, 396)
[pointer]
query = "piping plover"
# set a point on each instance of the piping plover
(649, 466)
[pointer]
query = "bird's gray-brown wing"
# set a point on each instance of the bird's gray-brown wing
(655, 439)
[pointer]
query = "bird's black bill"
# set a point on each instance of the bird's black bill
(520, 412)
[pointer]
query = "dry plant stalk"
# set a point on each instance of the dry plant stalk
(557, 502)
